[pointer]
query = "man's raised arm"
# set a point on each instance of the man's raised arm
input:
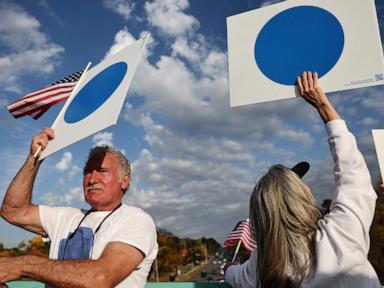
(17, 205)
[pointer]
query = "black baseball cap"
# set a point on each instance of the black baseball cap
(301, 168)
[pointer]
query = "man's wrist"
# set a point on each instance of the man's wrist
(29, 264)
(32, 161)
(16, 266)
(22, 263)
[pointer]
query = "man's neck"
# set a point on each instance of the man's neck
(110, 207)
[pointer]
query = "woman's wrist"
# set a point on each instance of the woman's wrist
(327, 111)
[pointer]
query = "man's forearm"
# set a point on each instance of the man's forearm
(66, 273)
(19, 193)
(116, 263)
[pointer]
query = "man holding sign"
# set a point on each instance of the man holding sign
(110, 245)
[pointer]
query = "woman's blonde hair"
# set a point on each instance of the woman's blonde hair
(284, 219)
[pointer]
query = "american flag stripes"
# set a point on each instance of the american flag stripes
(242, 233)
(35, 104)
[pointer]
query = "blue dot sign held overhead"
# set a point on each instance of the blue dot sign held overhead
(95, 92)
(97, 99)
(303, 38)
(270, 46)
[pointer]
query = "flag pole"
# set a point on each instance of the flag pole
(156, 271)
(72, 93)
(236, 251)
(69, 98)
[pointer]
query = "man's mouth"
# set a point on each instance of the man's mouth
(95, 187)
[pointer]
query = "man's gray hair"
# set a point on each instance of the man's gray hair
(125, 167)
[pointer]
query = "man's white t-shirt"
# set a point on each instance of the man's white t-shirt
(128, 224)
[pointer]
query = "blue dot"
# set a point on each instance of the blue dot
(303, 38)
(95, 92)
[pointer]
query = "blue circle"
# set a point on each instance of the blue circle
(303, 38)
(95, 92)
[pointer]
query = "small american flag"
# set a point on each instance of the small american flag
(242, 233)
(35, 104)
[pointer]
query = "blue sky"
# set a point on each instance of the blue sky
(194, 159)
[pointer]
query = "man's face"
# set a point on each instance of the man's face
(102, 184)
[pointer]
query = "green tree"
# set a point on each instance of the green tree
(22, 245)
(376, 252)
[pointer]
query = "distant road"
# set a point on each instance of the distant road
(213, 273)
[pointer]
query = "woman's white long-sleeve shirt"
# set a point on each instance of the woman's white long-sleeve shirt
(342, 239)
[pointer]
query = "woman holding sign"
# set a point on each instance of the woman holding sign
(297, 247)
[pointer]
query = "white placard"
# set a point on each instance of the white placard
(378, 139)
(97, 101)
(359, 64)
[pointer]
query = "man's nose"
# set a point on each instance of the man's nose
(93, 178)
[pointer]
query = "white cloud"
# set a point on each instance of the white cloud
(13, 158)
(372, 98)
(181, 177)
(122, 39)
(169, 17)
(121, 7)
(205, 58)
(164, 80)
(190, 183)
(295, 136)
(19, 29)
(320, 178)
(215, 64)
(73, 195)
(181, 47)
(53, 199)
(65, 162)
(369, 121)
(28, 49)
(102, 138)
(201, 103)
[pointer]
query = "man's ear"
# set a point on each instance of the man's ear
(125, 182)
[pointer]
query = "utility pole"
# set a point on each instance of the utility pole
(156, 271)
(205, 253)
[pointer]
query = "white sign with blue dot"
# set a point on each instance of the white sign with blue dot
(94, 94)
(269, 47)
(378, 140)
(97, 101)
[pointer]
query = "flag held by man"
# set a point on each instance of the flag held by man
(36, 103)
